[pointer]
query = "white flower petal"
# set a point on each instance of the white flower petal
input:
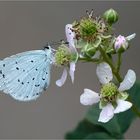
(60, 82)
(104, 73)
(128, 81)
(130, 37)
(122, 106)
(72, 70)
(89, 97)
(106, 114)
(70, 35)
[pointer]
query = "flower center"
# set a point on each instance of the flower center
(109, 92)
(87, 29)
(62, 56)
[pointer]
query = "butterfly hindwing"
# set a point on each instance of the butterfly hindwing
(24, 76)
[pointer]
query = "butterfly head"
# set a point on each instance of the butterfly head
(48, 47)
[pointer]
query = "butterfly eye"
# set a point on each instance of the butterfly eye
(47, 47)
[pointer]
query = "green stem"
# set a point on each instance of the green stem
(88, 59)
(119, 62)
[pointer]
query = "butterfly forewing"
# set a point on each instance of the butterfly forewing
(25, 75)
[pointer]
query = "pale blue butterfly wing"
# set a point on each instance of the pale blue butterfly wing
(24, 76)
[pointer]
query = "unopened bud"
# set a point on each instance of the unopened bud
(121, 44)
(111, 16)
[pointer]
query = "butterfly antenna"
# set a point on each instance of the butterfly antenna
(56, 43)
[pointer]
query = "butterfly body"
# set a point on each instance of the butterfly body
(25, 75)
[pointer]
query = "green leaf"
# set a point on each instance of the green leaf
(99, 135)
(84, 129)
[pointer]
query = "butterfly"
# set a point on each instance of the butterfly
(26, 75)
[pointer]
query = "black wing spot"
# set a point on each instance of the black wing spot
(28, 82)
(23, 70)
(43, 79)
(22, 83)
(46, 72)
(33, 79)
(36, 69)
(16, 62)
(37, 85)
(32, 61)
(0, 71)
(3, 76)
(3, 65)
(17, 68)
(18, 80)
(37, 93)
(27, 96)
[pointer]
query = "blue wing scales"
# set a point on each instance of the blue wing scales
(24, 76)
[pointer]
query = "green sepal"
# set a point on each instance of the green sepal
(88, 50)
(110, 50)
(123, 95)
(97, 42)
(102, 103)
(74, 57)
(105, 36)
(122, 49)
(80, 43)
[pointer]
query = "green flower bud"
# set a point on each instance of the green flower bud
(88, 50)
(111, 16)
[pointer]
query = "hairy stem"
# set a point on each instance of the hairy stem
(119, 62)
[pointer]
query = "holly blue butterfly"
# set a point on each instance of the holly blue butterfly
(24, 76)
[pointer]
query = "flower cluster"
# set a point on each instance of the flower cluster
(92, 39)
